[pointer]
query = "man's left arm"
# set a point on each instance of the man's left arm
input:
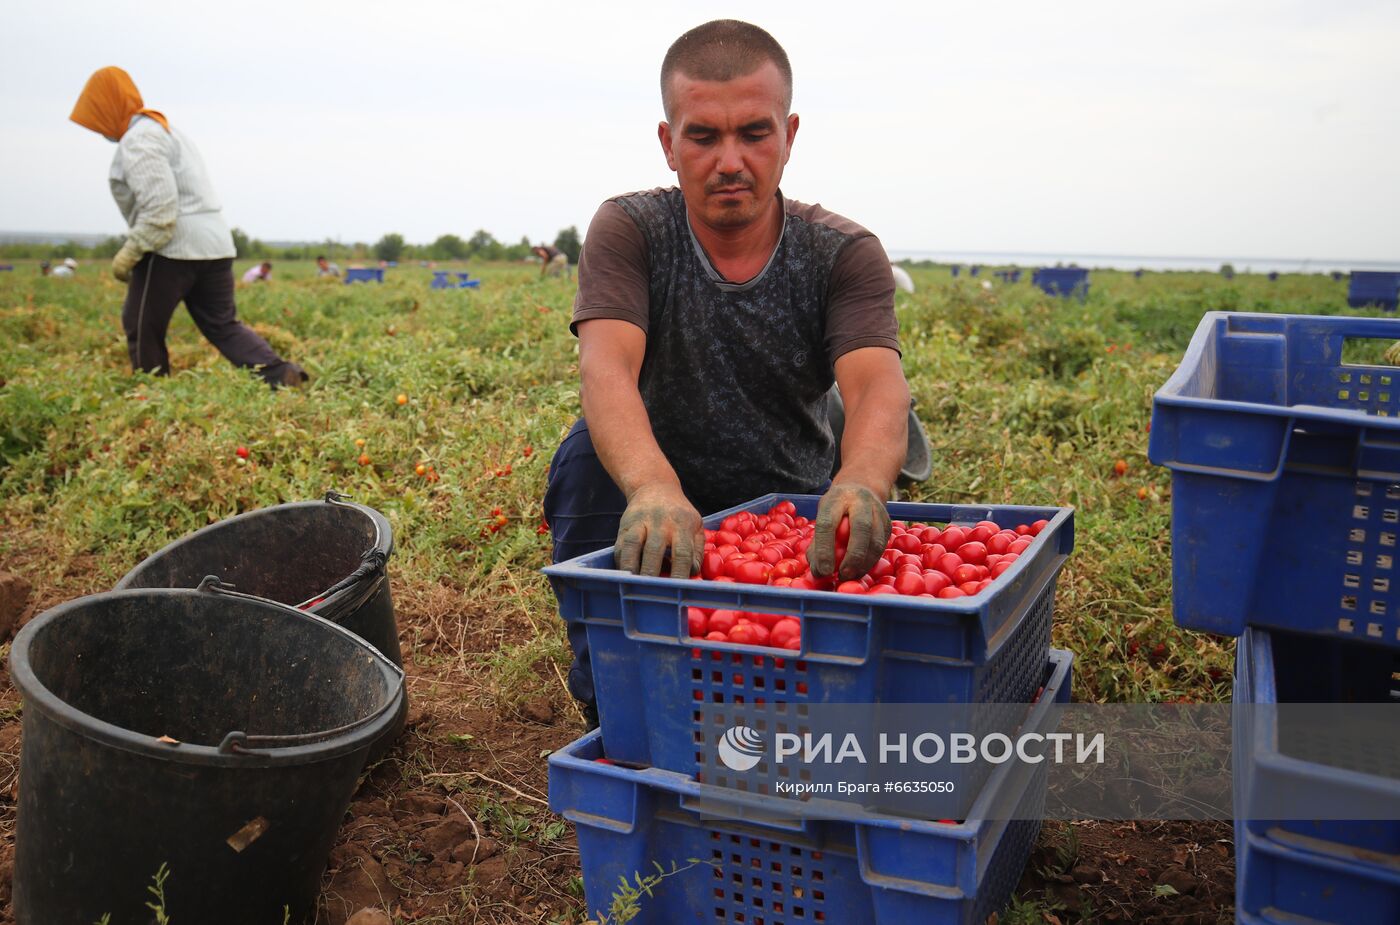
(862, 335)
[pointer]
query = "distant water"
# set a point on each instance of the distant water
(1144, 262)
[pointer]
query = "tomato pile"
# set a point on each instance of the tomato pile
(920, 560)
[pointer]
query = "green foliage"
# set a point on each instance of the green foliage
(568, 242)
(448, 247)
(626, 902)
(157, 891)
(1025, 399)
(389, 247)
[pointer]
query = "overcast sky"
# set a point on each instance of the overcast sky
(1227, 129)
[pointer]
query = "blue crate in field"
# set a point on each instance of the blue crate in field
(364, 275)
(1062, 281)
(1285, 477)
(855, 649)
(872, 870)
(1323, 870)
(1371, 288)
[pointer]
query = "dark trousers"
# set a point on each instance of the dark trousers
(158, 285)
(583, 507)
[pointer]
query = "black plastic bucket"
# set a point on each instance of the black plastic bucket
(326, 557)
(217, 734)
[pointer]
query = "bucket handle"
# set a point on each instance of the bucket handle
(239, 742)
(372, 561)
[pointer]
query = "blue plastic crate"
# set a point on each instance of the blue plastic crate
(1328, 871)
(1368, 287)
(1285, 477)
(1062, 281)
(855, 649)
(873, 870)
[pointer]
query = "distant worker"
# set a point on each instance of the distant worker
(325, 268)
(178, 247)
(67, 268)
(258, 273)
(553, 261)
(44, 268)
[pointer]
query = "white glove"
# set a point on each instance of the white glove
(126, 259)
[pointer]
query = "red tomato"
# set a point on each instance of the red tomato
(980, 533)
(751, 544)
(803, 583)
(887, 580)
(753, 573)
(715, 636)
(772, 554)
(843, 531)
(950, 592)
(850, 587)
(743, 634)
(969, 587)
(766, 620)
(973, 551)
(784, 581)
(983, 585)
(800, 547)
(1020, 545)
(722, 621)
(785, 507)
(788, 568)
(1038, 526)
(953, 537)
(711, 565)
(1023, 529)
(727, 536)
(881, 568)
(998, 544)
(724, 578)
(729, 523)
(787, 625)
(909, 583)
(745, 528)
(882, 589)
(935, 581)
(989, 524)
(992, 560)
(906, 542)
(930, 534)
(948, 563)
(726, 550)
(778, 529)
(790, 642)
(696, 622)
(906, 559)
(964, 573)
(930, 553)
(1000, 568)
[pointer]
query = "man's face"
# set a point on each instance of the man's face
(728, 142)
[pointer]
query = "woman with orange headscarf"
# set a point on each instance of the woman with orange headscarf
(179, 247)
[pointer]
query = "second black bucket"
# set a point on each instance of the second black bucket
(214, 736)
(329, 558)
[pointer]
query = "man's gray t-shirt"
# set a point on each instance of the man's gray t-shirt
(735, 375)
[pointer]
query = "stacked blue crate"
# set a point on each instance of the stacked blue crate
(1285, 458)
(987, 649)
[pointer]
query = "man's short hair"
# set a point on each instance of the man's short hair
(723, 49)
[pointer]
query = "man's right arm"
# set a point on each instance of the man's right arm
(658, 515)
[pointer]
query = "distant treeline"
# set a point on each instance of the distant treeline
(482, 246)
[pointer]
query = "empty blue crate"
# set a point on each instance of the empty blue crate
(663, 695)
(871, 870)
(1342, 864)
(1285, 476)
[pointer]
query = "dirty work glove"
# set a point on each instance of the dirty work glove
(657, 519)
(869, 531)
(126, 259)
(1392, 354)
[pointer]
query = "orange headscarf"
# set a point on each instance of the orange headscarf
(109, 101)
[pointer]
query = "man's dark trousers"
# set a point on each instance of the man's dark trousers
(583, 507)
